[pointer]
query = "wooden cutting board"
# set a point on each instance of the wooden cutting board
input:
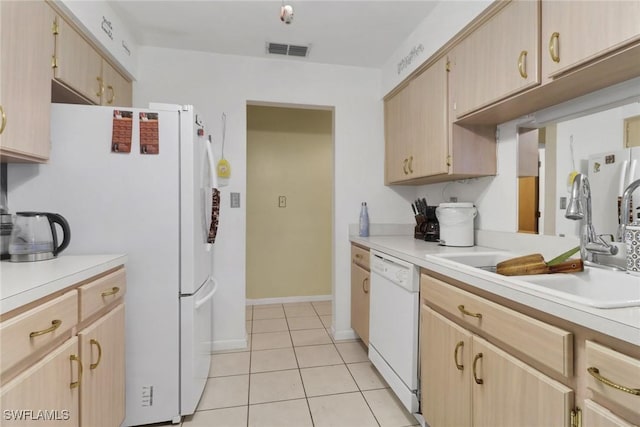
(535, 264)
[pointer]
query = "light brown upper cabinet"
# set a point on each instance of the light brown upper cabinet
(26, 49)
(78, 65)
(498, 59)
(575, 32)
(117, 89)
(421, 144)
(80, 69)
(416, 127)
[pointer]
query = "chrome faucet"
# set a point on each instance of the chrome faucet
(579, 208)
(625, 206)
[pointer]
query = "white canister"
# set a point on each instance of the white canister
(456, 223)
(632, 240)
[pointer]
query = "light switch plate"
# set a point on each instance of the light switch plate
(235, 200)
(282, 201)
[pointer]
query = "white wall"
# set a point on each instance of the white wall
(223, 83)
(444, 22)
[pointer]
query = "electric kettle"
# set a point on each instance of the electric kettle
(34, 236)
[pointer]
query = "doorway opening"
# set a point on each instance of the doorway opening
(289, 203)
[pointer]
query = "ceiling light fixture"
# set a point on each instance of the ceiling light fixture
(286, 13)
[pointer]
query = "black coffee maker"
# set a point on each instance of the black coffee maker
(427, 227)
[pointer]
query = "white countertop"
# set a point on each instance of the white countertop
(621, 323)
(24, 282)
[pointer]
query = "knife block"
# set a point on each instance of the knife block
(420, 230)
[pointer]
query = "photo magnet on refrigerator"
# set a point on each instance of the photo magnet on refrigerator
(149, 142)
(122, 131)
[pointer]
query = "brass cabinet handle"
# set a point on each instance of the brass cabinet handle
(404, 166)
(522, 64)
(554, 45)
(113, 95)
(410, 164)
(95, 365)
(113, 291)
(455, 355)
(595, 372)
(3, 124)
(100, 87)
(365, 289)
(55, 324)
(468, 313)
(475, 373)
(74, 358)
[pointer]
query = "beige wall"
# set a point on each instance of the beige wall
(289, 153)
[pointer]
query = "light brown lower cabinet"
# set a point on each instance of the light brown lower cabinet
(70, 370)
(47, 393)
(103, 383)
(467, 381)
(360, 285)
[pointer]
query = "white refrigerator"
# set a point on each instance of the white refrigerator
(156, 208)
(609, 174)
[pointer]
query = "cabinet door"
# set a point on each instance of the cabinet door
(360, 286)
(398, 136)
(595, 415)
(26, 49)
(78, 65)
(45, 394)
(498, 59)
(117, 89)
(445, 365)
(574, 32)
(102, 350)
(507, 392)
(429, 149)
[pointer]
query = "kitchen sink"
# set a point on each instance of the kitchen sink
(595, 287)
(483, 260)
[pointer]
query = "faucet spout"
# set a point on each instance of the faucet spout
(579, 209)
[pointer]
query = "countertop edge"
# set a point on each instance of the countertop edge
(85, 267)
(619, 323)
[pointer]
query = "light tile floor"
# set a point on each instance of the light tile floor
(294, 375)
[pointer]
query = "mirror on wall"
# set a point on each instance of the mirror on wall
(604, 145)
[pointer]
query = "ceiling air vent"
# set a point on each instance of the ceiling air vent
(286, 49)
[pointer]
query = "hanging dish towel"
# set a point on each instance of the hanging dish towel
(215, 213)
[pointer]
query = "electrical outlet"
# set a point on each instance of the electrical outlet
(563, 203)
(453, 199)
(235, 200)
(282, 201)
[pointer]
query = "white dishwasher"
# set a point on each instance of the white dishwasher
(393, 325)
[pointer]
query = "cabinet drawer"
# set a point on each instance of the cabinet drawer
(25, 334)
(594, 415)
(613, 375)
(546, 344)
(360, 256)
(101, 293)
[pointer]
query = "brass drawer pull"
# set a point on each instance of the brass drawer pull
(100, 91)
(55, 324)
(95, 365)
(410, 164)
(113, 95)
(468, 313)
(475, 373)
(595, 372)
(113, 291)
(365, 288)
(74, 358)
(522, 65)
(455, 355)
(404, 166)
(3, 124)
(554, 47)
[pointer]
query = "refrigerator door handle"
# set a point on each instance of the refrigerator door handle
(207, 297)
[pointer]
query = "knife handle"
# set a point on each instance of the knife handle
(570, 266)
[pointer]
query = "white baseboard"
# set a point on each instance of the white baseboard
(344, 334)
(229, 344)
(286, 300)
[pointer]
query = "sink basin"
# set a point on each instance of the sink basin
(484, 260)
(595, 287)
